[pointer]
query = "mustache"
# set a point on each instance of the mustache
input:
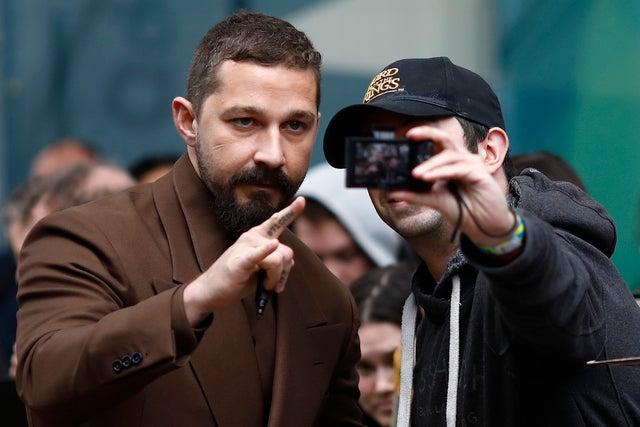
(263, 175)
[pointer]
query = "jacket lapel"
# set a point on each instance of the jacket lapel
(225, 364)
(181, 249)
(299, 361)
(225, 360)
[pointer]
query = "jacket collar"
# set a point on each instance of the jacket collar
(195, 239)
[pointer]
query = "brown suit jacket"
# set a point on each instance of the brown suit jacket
(103, 338)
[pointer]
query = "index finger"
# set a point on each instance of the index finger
(279, 221)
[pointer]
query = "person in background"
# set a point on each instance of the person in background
(62, 153)
(8, 309)
(187, 301)
(550, 164)
(57, 155)
(27, 204)
(71, 186)
(150, 168)
(42, 195)
(341, 226)
(380, 294)
(517, 312)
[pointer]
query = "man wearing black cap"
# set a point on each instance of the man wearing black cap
(517, 309)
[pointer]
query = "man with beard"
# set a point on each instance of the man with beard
(140, 309)
(516, 310)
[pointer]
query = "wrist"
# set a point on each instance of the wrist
(193, 310)
(512, 242)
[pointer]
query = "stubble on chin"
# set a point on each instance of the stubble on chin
(414, 221)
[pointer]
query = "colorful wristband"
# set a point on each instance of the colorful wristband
(511, 244)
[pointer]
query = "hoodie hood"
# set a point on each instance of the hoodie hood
(565, 206)
(354, 210)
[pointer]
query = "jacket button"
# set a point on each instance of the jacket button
(126, 361)
(117, 366)
(136, 357)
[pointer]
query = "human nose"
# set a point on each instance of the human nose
(384, 379)
(269, 150)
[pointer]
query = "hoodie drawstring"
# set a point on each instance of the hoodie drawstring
(409, 314)
(454, 352)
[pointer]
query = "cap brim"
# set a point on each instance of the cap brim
(349, 122)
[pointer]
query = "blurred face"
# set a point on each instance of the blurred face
(378, 342)
(106, 180)
(407, 219)
(59, 157)
(335, 247)
(155, 173)
(254, 139)
(17, 233)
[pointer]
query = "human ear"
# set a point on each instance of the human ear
(494, 148)
(185, 120)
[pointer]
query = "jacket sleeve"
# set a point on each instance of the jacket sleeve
(86, 339)
(553, 295)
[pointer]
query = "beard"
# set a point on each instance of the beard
(236, 217)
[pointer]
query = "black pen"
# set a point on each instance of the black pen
(262, 296)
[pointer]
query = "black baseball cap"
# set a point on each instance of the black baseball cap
(422, 88)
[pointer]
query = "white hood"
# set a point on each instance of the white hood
(354, 209)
